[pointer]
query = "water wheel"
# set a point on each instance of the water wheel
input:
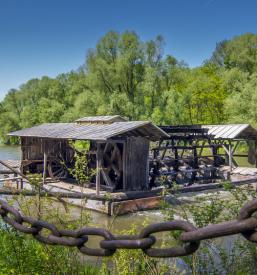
(59, 165)
(112, 165)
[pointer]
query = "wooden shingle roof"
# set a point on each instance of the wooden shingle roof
(77, 131)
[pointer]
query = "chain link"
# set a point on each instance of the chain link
(246, 224)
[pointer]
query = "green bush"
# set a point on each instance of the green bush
(20, 254)
(227, 255)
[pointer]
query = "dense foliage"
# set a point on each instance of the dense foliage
(226, 255)
(124, 75)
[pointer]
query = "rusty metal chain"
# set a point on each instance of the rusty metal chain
(190, 238)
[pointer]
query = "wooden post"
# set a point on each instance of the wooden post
(215, 153)
(98, 170)
(45, 167)
(176, 161)
(21, 183)
(230, 156)
(256, 155)
(201, 149)
(124, 166)
(226, 149)
(195, 160)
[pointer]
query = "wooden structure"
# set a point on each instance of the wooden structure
(195, 152)
(118, 151)
(229, 137)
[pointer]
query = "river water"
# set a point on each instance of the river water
(119, 223)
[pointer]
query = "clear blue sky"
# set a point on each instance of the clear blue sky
(43, 37)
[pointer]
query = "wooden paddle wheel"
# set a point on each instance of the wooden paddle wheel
(187, 156)
(58, 165)
(112, 170)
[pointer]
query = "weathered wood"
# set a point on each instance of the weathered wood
(137, 151)
(195, 158)
(255, 153)
(124, 166)
(230, 156)
(4, 191)
(236, 155)
(45, 168)
(106, 178)
(180, 147)
(98, 169)
(10, 178)
(176, 165)
(201, 149)
(15, 171)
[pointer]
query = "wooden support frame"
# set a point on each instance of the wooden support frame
(230, 153)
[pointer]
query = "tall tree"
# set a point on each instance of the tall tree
(239, 52)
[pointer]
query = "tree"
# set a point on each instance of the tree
(133, 78)
(241, 106)
(239, 52)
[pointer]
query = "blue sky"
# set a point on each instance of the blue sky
(46, 37)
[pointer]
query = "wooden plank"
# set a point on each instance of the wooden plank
(137, 169)
(10, 178)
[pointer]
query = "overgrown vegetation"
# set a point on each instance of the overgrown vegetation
(127, 76)
(227, 255)
(82, 170)
(21, 254)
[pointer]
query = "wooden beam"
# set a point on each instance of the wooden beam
(107, 179)
(195, 161)
(230, 156)
(225, 148)
(234, 149)
(255, 153)
(201, 149)
(45, 167)
(98, 169)
(124, 153)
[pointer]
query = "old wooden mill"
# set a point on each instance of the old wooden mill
(132, 158)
